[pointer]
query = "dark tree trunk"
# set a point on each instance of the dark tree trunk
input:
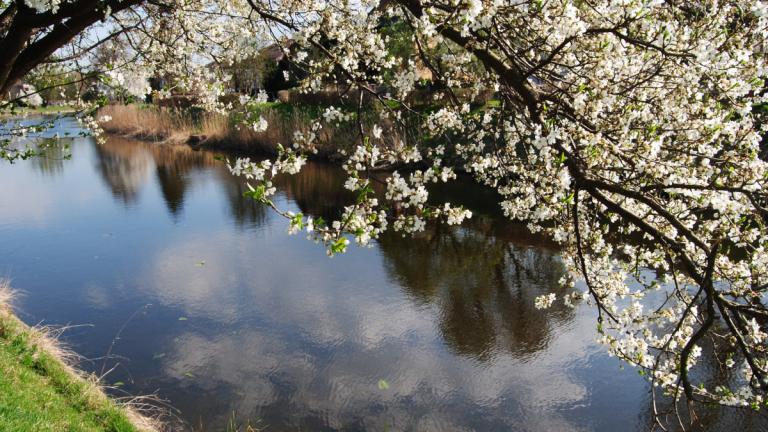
(19, 54)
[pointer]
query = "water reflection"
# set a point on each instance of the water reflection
(55, 154)
(124, 169)
(484, 282)
(246, 319)
(125, 165)
(318, 191)
(246, 213)
(317, 337)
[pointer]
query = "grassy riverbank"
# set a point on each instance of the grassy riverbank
(47, 110)
(213, 130)
(40, 391)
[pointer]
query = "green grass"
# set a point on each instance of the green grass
(39, 392)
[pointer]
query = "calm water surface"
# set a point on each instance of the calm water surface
(225, 315)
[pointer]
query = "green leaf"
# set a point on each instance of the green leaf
(258, 193)
(182, 318)
(298, 221)
(339, 246)
(383, 384)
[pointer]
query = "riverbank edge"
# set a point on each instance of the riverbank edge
(40, 111)
(155, 125)
(33, 360)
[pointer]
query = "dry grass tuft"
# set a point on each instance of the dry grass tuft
(7, 295)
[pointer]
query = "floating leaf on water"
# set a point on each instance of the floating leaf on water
(383, 384)
(189, 374)
(118, 384)
(200, 264)
(182, 318)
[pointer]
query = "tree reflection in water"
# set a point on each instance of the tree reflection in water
(484, 279)
(125, 164)
(476, 282)
(124, 167)
(174, 166)
(51, 163)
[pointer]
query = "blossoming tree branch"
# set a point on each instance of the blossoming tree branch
(629, 131)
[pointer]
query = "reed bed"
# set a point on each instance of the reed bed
(150, 123)
(219, 131)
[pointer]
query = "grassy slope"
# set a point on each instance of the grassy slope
(39, 392)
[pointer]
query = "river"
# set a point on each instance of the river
(210, 304)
